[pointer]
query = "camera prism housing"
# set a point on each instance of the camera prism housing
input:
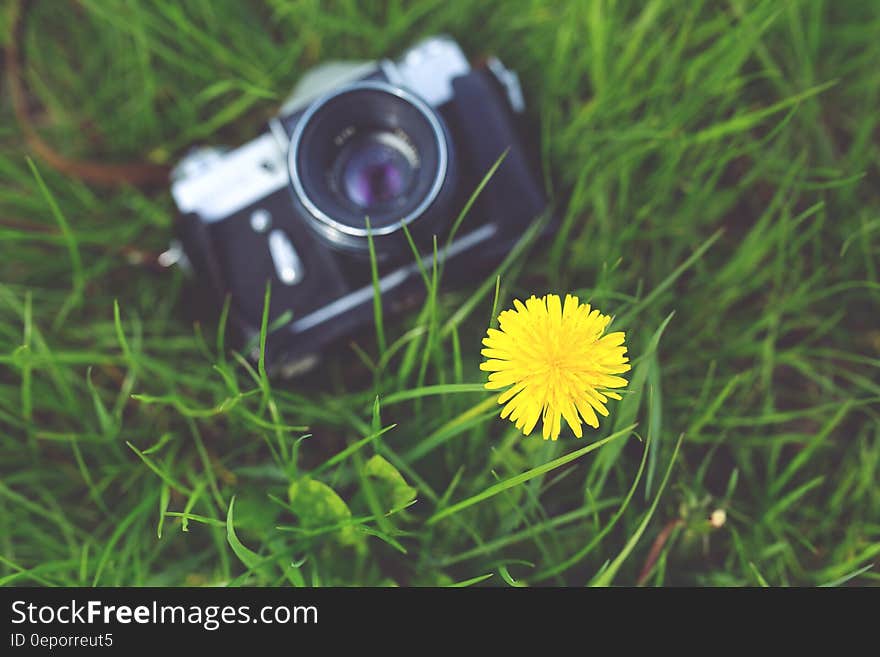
(362, 155)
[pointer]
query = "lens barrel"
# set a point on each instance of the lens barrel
(371, 150)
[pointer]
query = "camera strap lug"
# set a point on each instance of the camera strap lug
(175, 255)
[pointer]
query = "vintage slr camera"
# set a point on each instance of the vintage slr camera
(402, 143)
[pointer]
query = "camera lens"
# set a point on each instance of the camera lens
(371, 151)
(377, 169)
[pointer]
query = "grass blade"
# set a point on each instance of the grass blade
(519, 479)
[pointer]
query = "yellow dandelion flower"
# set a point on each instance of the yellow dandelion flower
(555, 363)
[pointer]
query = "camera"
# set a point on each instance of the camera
(366, 164)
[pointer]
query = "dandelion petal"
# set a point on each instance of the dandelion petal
(551, 360)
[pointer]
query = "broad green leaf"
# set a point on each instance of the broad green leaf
(391, 487)
(318, 505)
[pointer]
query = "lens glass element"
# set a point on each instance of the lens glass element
(376, 169)
(371, 152)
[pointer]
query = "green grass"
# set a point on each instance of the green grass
(716, 167)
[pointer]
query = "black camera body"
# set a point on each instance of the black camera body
(374, 155)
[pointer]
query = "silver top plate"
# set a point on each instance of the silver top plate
(234, 181)
(216, 185)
